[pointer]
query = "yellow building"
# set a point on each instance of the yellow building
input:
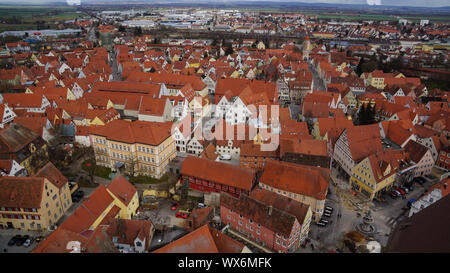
(140, 147)
(34, 203)
(373, 176)
(125, 196)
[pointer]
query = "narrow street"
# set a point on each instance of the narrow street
(318, 83)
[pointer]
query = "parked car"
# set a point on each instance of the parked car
(79, 194)
(400, 190)
(405, 189)
(420, 180)
(201, 205)
(394, 194)
(28, 242)
(181, 215)
(22, 240)
(409, 186)
(175, 206)
(410, 202)
(14, 240)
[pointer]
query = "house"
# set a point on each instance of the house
(375, 174)
(125, 196)
(421, 156)
(355, 144)
(431, 196)
(204, 240)
(254, 157)
(155, 109)
(305, 151)
(443, 159)
(203, 175)
(310, 185)
(130, 236)
(21, 144)
(6, 115)
(140, 146)
(199, 217)
(34, 203)
(300, 210)
(9, 167)
(271, 227)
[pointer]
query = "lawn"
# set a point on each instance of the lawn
(143, 179)
(99, 171)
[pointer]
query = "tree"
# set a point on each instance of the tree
(229, 50)
(121, 28)
(137, 31)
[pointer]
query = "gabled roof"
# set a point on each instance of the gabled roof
(127, 230)
(203, 240)
(91, 209)
(122, 189)
(284, 203)
(151, 133)
(14, 137)
(21, 192)
(230, 175)
(53, 175)
(309, 181)
(274, 219)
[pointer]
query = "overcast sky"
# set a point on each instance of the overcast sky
(417, 3)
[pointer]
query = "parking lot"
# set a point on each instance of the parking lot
(7, 234)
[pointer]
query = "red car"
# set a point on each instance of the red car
(181, 215)
(174, 206)
(400, 190)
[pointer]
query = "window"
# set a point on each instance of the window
(228, 217)
(240, 216)
(240, 223)
(46, 205)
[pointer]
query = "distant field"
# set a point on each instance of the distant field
(29, 15)
(376, 17)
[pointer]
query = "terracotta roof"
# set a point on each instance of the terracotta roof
(415, 150)
(209, 152)
(53, 175)
(209, 170)
(274, 219)
(298, 209)
(122, 189)
(14, 137)
(21, 192)
(91, 209)
(57, 241)
(363, 140)
(309, 181)
(151, 133)
(127, 230)
(250, 149)
(198, 241)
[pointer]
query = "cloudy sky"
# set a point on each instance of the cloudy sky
(417, 3)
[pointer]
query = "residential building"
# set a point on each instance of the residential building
(432, 195)
(146, 147)
(211, 176)
(310, 185)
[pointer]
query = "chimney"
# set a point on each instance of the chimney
(270, 210)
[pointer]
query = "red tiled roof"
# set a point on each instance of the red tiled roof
(151, 133)
(50, 172)
(122, 189)
(21, 192)
(225, 174)
(309, 181)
